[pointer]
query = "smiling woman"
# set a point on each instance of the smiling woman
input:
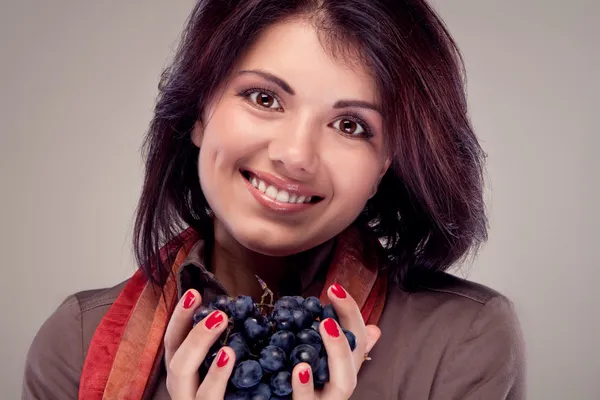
(290, 139)
(293, 119)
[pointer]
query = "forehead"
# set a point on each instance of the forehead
(295, 51)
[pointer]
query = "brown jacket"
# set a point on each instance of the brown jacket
(453, 339)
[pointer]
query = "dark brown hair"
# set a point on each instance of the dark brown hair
(429, 208)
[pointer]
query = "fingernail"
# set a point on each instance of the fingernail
(338, 291)
(304, 376)
(222, 359)
(188, 300)
(331, 328)
(214, 320)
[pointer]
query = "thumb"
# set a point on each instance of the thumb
(373, 335)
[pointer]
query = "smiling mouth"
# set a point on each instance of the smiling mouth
(278, 194)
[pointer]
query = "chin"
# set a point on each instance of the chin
(273, 248)
(271, 242)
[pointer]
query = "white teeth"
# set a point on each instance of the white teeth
(271, 192)
(261, 186)
(283, 196)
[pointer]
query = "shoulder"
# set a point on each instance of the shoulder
(56, 356)
(90, 300)
(447, 311)
(93, 304)
(455, 305)
(487, 310)
(449, 297)
(462, 332)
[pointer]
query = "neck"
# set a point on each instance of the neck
(236, 267)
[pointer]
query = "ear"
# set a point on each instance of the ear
(197, 133)
(384, 168)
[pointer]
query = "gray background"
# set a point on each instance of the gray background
(78, 81)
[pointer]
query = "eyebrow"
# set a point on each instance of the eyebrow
(270, 77)
(287, 88)
(356, 103)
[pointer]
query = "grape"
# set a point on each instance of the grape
(247, 374)
(237, 395)
(302, 318)
(261, 392)
(256, 329)
(310, 337)
(220, 302)
(239, 347)
(287, 302)
(284, 319)
(299, 300)
(241, 307)
(329, 312)
(236, 337)
(285, 340)
(201, 313)
(305, 353)
(321, 374)
(281, 383)
(313, 305)
(269, 340)
(272, 359)
(351, 338)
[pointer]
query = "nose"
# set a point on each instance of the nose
(294, 149)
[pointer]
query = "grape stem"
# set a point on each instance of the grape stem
(266, 293)
(227, 332)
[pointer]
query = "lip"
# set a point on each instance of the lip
(273, 204)
(285, 184)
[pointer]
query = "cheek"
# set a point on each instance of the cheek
(353, 166)
(227, 138)
(354, 178)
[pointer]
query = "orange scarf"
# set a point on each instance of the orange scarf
(126, 351)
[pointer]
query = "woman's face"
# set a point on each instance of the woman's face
(292, 146)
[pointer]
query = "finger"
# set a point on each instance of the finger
(182, 371)
(350, 318)
(302, 383)
(214, 384)
(180, 323)
(373, 335)
(342, 372)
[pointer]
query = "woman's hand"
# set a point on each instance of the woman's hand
(186, 348)
(343, 364)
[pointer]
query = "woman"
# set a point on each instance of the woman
(289, 140)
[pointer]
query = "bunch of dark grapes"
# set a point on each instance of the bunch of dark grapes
(269, 340)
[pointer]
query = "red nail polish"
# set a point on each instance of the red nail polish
(188, 300)
(338, 291)
(222, 359)
(331, 328)
(214, 320)
(304, 376)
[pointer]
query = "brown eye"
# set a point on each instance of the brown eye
(349, 127)
(264, 100)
